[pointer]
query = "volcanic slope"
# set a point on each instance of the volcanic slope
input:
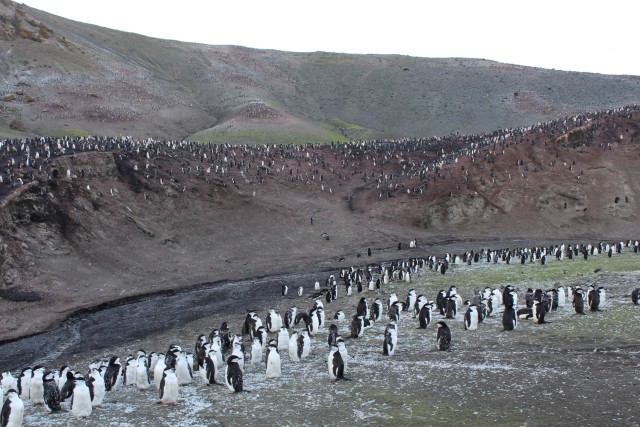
(62, 77)
(134, 217)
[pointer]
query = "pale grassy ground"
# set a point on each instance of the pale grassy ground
(576, 370)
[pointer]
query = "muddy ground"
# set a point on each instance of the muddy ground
(574, 370)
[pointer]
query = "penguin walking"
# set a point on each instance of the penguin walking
(443, 337)
(509, 319)
(233, 374)
(12, 413)
(335, 364)
(81, 397)
(390, 339)
(169, 389)
(51, 392)
(273, 360)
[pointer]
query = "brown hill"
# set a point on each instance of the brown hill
(131, 217)
(62, 77)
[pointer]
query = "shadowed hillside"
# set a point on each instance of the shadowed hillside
(62, 77)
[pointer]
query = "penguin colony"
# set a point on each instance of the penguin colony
(219, 357)
(424, 161)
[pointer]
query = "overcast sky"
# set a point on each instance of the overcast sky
(597, 37)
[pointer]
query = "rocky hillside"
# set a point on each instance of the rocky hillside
(62, 77)
(114, 218)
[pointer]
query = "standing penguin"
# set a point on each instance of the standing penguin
(8, 382)
(376, 310)
(51, 392)
(593, 298)
(199, 351)
(443, 337)
(113, 375)
(394, 311)
(635, 296)
(363, 308)
(12, 413)
(335, 364)
(158, 371)
(540, 310)
(357, 326)
(130, 371)
(509, 319)
(273, 360)
(283, 339)
(343, 352)
(142, 373)
(97, 383)
(233, 374)
(169, 389)
(36, 386)
(333, 335)
(210, 367)
(471, 318)
(81, 398)
(256, 351)
(274, 321)
(425, 315)
(24, 381)
(290, 317)
(390, 339)
(183, 369)
(411, 300)
(304, 344)
(578, 301)
(293, 347)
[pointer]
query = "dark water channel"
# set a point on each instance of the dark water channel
(91, 332)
